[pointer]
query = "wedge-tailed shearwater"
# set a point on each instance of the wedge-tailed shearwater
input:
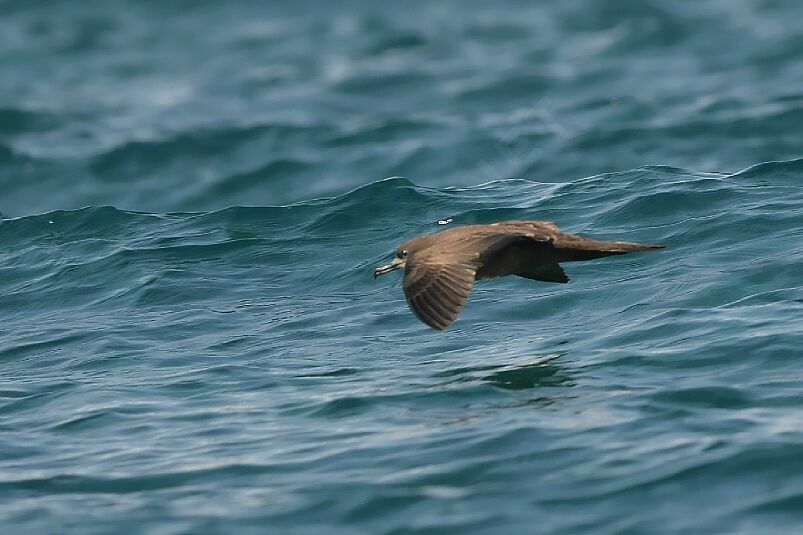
(440, 269)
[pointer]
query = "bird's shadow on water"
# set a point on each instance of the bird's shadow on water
(524, 377)
(540, 372)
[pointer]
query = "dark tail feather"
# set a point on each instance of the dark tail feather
(575, 248)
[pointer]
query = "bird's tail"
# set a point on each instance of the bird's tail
(576, 248)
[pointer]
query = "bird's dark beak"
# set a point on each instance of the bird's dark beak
(393, 266)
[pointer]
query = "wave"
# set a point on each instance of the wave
(618, 195)
(714, 223)
(15, 121)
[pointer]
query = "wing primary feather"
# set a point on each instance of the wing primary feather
(449, 297)
(423, 304)
(438, 309)
(425, 313)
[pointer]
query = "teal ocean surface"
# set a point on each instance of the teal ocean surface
(194, 195)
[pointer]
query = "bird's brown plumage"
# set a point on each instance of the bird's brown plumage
(440, 269)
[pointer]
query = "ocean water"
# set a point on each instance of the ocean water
(194, 195)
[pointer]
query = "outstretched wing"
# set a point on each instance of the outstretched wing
(565, 247)
(523, 248)
(437, 292)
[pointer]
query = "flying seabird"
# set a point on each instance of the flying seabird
(440, 268)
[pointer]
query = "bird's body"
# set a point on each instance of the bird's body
(440, 269)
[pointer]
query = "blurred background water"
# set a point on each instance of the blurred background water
(194, 194)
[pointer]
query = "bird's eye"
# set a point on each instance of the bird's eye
(402, 254)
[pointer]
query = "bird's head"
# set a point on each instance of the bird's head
(399, 261)
(403, 252)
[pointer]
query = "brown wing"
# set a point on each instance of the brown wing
(570, 248)
(560, 247)
(523, 248)
(437, 292)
